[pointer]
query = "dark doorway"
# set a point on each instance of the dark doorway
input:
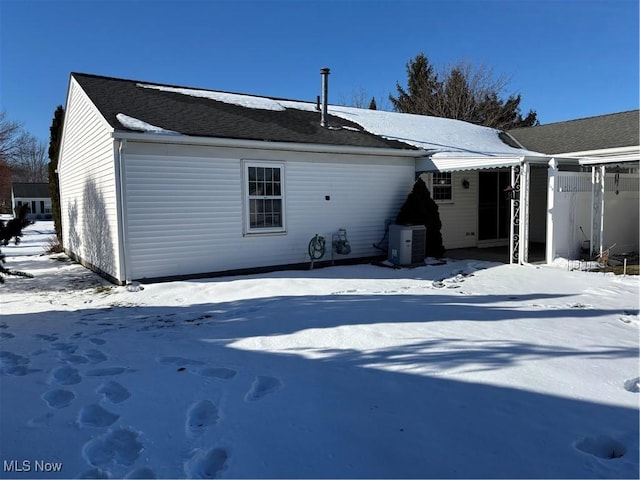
(494, 210)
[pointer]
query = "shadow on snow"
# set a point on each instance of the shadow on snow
(349, 420)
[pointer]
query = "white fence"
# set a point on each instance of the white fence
(571, 205)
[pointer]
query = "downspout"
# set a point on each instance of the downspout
(120, 181)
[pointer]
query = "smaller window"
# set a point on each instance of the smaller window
(442, 187)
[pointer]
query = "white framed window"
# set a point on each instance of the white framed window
(442, 187)
(264, 202)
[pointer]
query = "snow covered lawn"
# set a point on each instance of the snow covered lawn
(469, 369)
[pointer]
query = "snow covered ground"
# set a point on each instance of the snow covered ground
(469, 369)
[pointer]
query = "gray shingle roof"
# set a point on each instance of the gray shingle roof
(204, 117)
(31, 190)
(585, 134)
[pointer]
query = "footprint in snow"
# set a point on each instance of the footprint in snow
(142, 472)
(94, 473)
(629, 317)
(64, 348)
(58, 398)
(105, 372)
(6, 336)
(64, 375)
(46, 338)
(95, 356)
(96, 416)
(41, 420)
(179, 361)
(75, 359)
(15, 365)
(206, 464)
(201, 415)
(120, 446)
(601, 446)
(217, 372)
(113, 391)
(632, 385)
(261, 387)
(97, 341)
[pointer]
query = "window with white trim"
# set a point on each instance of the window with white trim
(264, 197)
(442, 187)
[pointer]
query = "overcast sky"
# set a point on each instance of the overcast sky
(569, 59)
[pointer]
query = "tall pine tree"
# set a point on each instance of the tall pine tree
(54, 150)
(461, 93)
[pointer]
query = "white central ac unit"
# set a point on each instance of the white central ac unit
(407, 244)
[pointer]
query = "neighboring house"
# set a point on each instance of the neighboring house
(36, 196)
(596, 209)
(163, 181)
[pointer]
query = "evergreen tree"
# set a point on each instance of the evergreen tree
(421, 209)
(461, 93)
(422, 88)
(372, 104)
(54, 150)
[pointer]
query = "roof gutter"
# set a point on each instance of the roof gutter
(148, 137)
(605, 152)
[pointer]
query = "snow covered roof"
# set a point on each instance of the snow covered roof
(434, 134)
(153, 108)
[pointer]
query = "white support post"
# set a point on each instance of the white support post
(550, 247)
(597, 209)
(525, 170)
(603, 171)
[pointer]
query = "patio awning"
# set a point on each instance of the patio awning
(454, 163)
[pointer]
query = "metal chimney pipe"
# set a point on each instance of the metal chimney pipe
(324, 120)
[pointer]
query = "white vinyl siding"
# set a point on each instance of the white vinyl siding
(460, 219)
(185, 207)
(87, 185)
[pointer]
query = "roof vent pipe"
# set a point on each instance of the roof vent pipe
(324, 72)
